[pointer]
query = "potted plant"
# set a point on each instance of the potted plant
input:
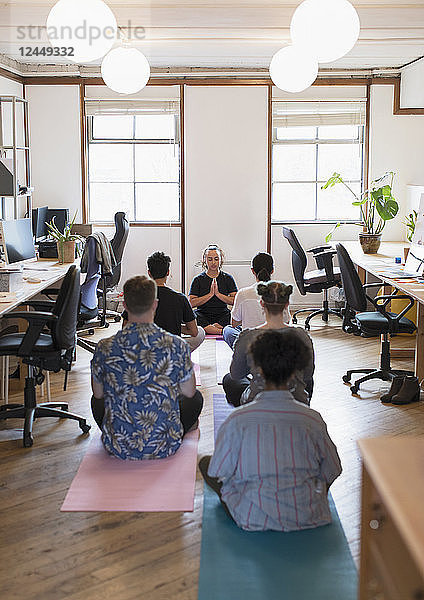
(65, 240)
(377, 206)
(410, 222)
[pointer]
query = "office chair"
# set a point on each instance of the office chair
(109, 281)
(311, 282)
(41, 351)
(378, 322)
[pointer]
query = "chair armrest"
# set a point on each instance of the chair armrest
(389, 298)
(319, 249)
(36, 322)
(40, 305)
(324, 260)
(33, 316)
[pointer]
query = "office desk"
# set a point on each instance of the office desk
(55, 273)
(375, 264)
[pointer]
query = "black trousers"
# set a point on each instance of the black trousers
(212, 482)
(190, 409)
(234, 388)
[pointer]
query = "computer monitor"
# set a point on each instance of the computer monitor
(39, 218)
(61, 217)
(18, 242)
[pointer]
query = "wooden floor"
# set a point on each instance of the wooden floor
(48, 555)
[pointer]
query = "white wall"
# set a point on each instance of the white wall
(8, 87)
(56, 146)
(396, 145)
(412, 88)
(226, 172)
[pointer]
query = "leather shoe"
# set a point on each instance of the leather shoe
(409, 392)
(394, 389)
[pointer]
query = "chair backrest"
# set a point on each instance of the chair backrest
(299, 260)
(66, 308)
(352, 285)
(118, 242)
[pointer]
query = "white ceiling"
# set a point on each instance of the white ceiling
(240, 34)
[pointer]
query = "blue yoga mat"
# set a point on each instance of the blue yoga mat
(314, 564)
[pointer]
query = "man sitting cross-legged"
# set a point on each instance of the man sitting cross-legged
(174, 312)
(144, 390)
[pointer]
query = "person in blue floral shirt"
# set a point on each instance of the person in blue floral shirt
(144, 389)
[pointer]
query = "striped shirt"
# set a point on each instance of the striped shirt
(276, 461)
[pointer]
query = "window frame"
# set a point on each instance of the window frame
(362, 138)
(92, 140)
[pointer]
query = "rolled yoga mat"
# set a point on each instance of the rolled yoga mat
(106, 483)
(313, 564)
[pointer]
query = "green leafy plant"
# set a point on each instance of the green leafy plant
(410, 222)
(66, 235)
(377, 204)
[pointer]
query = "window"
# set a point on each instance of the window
(310, 142)
(134, 163)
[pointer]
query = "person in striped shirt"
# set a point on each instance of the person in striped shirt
(274, 460)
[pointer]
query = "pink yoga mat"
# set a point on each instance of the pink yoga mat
(106, 483)
(195, 359)
(224, 354)
(214, 337)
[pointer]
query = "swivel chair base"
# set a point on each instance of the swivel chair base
(385, 372)
(325, 311)
(30, 411)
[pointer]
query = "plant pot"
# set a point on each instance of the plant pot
(66, 252)
(370, 242)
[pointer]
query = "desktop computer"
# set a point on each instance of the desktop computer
(39, 219)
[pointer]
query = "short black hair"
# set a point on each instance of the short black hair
(279, 354)
(158, 264)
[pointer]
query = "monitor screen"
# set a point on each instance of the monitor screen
(18, 242)
(39, 218)
(61, 217)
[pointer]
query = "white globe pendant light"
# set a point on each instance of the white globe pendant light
(292, 69)
(125, 70)
(87, 26)
(327, 28)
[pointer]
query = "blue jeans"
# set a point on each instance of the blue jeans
(230, 334)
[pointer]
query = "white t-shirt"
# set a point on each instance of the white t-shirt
(247, 308)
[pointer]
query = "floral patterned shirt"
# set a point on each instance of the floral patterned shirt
(140, 368)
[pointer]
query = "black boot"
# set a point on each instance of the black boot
(394, 389)
(409, 392)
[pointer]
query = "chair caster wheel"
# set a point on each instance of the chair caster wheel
(106, 325)
(85, 428)
(28, 441)
(354, 389)
(307, 327)
(90, 332)
(346, 378)
(294, 320)
(117, 319)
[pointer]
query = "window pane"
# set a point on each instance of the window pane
(113, 127)
(158, 202)
(296, 133)
(336, 203)
(108, 198)
(155, 127)
(293, 201)
(157, 162)
(338, 132)
(111, 162)
(294, 162)
(345, 159)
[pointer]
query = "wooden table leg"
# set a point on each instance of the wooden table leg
(419, 343)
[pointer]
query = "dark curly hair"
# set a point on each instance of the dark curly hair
(279, 354)
(275, 295)
(158, 264)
